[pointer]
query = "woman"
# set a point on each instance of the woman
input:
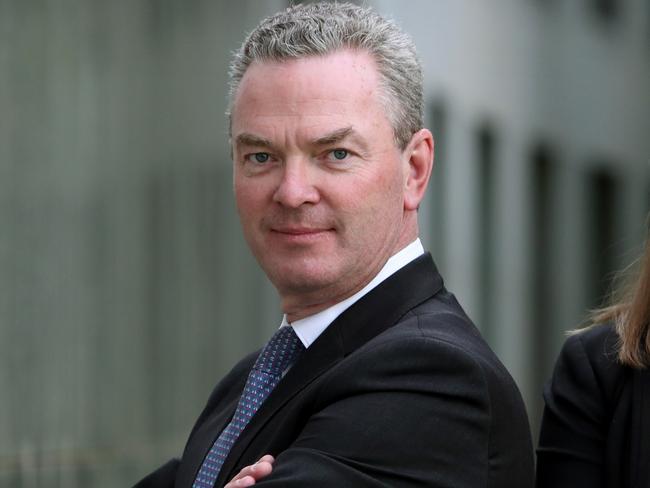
(596, 423)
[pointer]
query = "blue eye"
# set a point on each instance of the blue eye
(260, 157)
(339, 154)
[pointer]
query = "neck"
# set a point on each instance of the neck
(298, 307)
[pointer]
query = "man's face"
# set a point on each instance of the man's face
(318, 179)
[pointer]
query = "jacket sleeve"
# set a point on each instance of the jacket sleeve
(423, 419)
(573, 433)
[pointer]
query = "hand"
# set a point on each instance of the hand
(253, 473)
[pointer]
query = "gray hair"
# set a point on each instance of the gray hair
(322, 28)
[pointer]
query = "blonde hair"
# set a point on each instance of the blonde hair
(630, 314)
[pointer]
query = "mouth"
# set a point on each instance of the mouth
(297, 231)
(299, 235)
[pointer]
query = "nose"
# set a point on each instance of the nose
(296, 187)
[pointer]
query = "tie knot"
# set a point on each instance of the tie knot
(280, 352)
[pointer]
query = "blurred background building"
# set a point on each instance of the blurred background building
(126, 289)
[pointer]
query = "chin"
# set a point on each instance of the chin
(293, 279)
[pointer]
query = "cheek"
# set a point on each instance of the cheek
(247, 206)
(383, 192)
(248, 193)
(370, 204)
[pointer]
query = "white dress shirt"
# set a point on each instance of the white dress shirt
(309, 328)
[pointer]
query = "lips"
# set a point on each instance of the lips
(300, 235)
(298, 231)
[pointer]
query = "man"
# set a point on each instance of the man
(376, 377)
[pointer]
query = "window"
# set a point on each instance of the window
(543, 160)
(602, 256)
(607, 10)
(486, 162)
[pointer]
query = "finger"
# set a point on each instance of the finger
(267, 458)
(242, 474)
(253, 472)
(261, 469)
(238, 482)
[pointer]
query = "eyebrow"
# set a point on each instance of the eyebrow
(339, 135)
(247, 139)
(333, 137)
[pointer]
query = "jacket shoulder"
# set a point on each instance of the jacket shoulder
(588, 375)
(596, 348)
(442, 319)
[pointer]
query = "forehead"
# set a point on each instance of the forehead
(344, 82)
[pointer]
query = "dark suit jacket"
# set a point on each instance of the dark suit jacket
(596, 423)
(399, 391)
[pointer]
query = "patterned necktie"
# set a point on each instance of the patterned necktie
(279, 353)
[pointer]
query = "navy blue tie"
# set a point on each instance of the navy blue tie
(278, 355)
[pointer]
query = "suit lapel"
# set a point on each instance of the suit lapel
(386, 304)
(375, 312)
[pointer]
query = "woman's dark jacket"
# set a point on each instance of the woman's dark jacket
(596, 424)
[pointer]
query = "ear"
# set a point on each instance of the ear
(418, 156)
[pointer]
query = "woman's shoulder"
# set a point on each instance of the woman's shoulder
(593, 352)
(599, 342)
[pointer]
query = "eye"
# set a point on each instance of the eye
(259, 157)
(339, 154)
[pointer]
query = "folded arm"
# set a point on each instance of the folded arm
(420, 419)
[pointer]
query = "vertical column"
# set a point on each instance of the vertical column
(462, 234)
(6, 235)
(510, 305)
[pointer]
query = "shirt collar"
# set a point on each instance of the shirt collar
(309, 328)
